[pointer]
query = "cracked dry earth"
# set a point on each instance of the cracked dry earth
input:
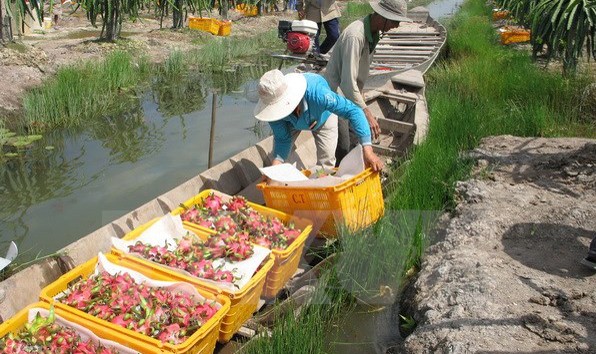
(504, 276)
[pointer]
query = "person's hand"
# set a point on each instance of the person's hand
(371, 159)
(301, 15)
(375, 129)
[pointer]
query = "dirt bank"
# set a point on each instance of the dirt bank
(26, 63)
(506, 276)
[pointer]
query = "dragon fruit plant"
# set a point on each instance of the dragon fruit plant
(170, 317)
(237, 216)
(196, 257)
(43, 335)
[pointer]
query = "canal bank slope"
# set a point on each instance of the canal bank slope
(36, 57)
(505, 274)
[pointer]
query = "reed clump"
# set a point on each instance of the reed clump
(78, 94)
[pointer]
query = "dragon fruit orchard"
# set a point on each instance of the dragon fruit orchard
(237, 215)
(170, 317)
(43, 335)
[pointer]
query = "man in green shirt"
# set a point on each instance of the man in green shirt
(349, 64)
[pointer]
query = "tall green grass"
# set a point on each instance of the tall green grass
(302, 330)
(354, 11)
(483, 89)
(78, 94)
(221, 52)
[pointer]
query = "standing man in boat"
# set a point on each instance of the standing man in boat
(294, 102)
(349, 64)
(326, 14)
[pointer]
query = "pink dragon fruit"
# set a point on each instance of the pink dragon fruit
(190, 215)
(213, 203)
(237, 203)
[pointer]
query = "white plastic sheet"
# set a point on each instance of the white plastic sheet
(288, 175)
(169, 228)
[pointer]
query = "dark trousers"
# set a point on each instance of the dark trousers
(332, 31)
(346, 140)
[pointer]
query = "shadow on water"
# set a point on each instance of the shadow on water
(366, 330)
(91, 176)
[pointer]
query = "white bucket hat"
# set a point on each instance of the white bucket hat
(278, 95)
(395, 10)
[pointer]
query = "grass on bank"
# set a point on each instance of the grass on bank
(483, 89)
(80, 94)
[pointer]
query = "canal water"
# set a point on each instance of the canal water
(73, 182)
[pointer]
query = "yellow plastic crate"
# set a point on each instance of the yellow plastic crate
(286, 261)
(511, 35)
(210, 25)
(355, 203)
(202, 341)
(248, 10)
(243, 303)
(225, 28)
(15, 323)
(500, 14)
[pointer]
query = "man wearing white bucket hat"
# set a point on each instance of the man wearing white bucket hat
(295, 102)
(352, 54)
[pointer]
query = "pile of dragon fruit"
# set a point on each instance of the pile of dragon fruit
(196, 256)
(43, 335)
(168, 316)
(237, 216)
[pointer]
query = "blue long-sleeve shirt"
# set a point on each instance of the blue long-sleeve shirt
(318, 103)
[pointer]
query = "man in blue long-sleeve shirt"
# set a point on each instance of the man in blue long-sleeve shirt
(296, 102)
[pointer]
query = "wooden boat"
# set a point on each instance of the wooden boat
(396, 98)
(411, 46)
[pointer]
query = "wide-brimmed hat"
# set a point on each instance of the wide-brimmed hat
(279, 95)
(395, 10)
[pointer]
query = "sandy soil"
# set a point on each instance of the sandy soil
(505, 276)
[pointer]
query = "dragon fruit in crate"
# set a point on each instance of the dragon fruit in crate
(236, 215)
(169, 316)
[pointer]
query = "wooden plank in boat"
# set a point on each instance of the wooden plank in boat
(412, 78)
(383, 47)
(398, 57)
(403, 97)
(402, 53)
(394, 125)
(428, 31)
(412, 43)
(403, 50)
